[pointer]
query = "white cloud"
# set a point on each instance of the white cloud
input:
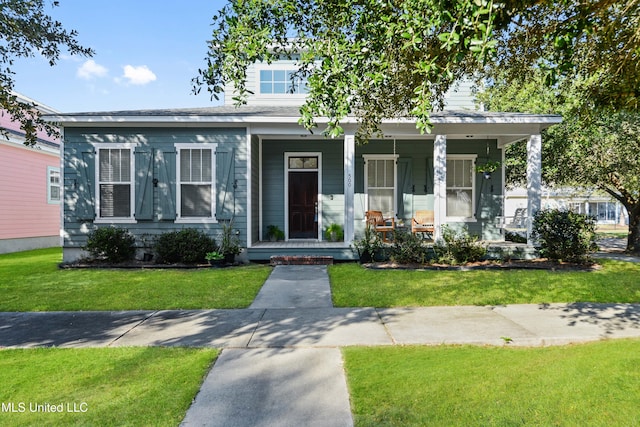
(140, 75)
(90, 69)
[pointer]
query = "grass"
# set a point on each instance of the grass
(354, 286)
(32, 281)
(592, 384)
(106, 387)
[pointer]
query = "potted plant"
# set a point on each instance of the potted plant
(274, 233)
(369, 246)
(488, 168)
(229, 242)
(215, 258)
(334, 233)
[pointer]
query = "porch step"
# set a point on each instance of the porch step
(301, 260)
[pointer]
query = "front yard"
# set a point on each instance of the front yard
(590, 384)
(32, 281)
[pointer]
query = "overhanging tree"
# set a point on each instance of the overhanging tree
(26, 31)
(397, 58)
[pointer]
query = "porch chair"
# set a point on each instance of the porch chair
(423, 222)
(380, 224)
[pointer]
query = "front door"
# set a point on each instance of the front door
(303, 205)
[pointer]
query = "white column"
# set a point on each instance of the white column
(439, 183)
(534, 180)
(349, 181)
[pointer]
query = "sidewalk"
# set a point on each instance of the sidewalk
(281, 364)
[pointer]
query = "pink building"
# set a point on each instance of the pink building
(30, 189)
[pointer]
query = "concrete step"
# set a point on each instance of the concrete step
(301, 260)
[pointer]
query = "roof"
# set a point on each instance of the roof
(284, 114)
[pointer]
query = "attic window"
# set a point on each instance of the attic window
(281, 82)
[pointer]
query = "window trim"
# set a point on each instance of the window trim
(132, 182)
(473, 158)
(214, 194)
(275, 67)
(393, 157)
(51, 200)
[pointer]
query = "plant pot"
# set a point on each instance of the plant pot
(333, 236)
(216, 262)
(229, 258)
(365, 258)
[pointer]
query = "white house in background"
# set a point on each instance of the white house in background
(30, 188)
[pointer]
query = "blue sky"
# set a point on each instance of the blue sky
(147, 52)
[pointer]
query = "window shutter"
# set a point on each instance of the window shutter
(166, 161)
(225, 184)
(144, 184)
(405, 188)
(83, 188)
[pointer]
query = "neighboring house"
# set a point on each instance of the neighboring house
(159, 170)
(604, 208)
(30, 189)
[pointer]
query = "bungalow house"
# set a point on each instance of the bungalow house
(154, 171)
(30, 188)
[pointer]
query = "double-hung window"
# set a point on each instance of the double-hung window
(380, 183)
(53, 185)
(115, 189)
(196, 181)
(281, 82)
(460, 186)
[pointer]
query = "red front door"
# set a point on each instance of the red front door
(303, 205)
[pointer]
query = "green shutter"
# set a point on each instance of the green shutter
(225, 184)
(83, 187)
(405, 187)
(144, 184)
(166, 161)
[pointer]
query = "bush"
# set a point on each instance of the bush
(187, 246)
(458, 247)
(565, 235)
(407, 248)
(111, 244)
(369, 247)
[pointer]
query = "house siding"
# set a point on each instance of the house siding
(25, 213)
(155, 145)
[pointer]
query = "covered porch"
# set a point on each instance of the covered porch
(281, 156)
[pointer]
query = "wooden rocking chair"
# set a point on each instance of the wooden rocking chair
(380, 224)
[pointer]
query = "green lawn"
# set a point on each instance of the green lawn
(354, 286)
(105, 387)
(32, 281)
(583, 385)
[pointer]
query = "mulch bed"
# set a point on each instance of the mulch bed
(534, 264)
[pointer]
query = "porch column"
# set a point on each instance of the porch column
(439, 183)
(349, 174)
(534, 181)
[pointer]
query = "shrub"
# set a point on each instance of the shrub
(407, 248)
(188, 246)
(565, 235)
(458, 247)
(111, 244)
(369, 247)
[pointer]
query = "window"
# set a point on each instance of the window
(281, 82)
(53, 185)
(115, 181)
(380, 183)
(196, 174)
(460, 186)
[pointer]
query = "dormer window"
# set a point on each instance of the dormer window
(281, 82)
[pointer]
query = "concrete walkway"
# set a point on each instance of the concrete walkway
(280, 363)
